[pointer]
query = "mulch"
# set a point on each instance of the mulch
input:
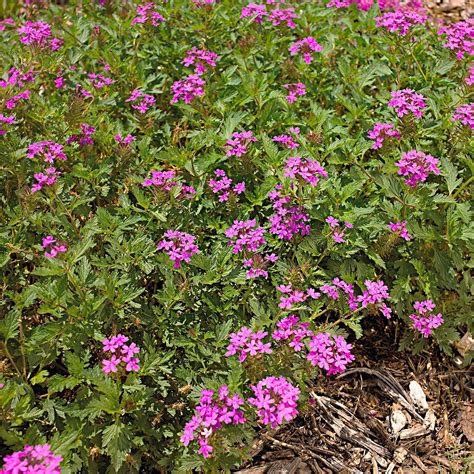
(372, 418)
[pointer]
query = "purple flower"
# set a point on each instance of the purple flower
(188, 89)
(306, 46)
(123, 355)
(407, 101)
(53, 250)
(247, 343)
(245, 236)
(460, 37)
(381, 132)
(294, 90)
(400, 21)
(400, 229)
(424, 320)
(304, 168)
(179, 246)
(222, 186)
(275, 400)
(200, 58)
(48, 178)
(147, 13)
(39, 34)
(330, 353)
(237, 145)
(32, 459)
(465, 114)
(141, 101)
(417, 166)
(48, 150)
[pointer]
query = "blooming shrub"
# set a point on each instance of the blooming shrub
(204, 207)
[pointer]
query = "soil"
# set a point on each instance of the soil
(367, 420)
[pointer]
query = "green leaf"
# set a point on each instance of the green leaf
(116, 439)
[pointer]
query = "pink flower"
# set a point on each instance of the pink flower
(305, 169)
(141, 101)
(84, 138)
(179, 246)
(48, 150)
(306, 46)
(330, 353)
(245, 236)
(400, 21)
(147, 14)
(283, 15)
(470, 79)
(459, 37)
(400, 229)
(259, 12)
(275, 400)
(247, 343)
(125, 140)
(123, 355)
(407, 101)
(10, 120)
(294, 90)
(48, 178)
(417, 166)
(39, 34)
(237, 145)
(424, 320)
(54, 250)
(188, 89)
(465, 114)
(287, 140)
(223, 186)
(32, 459)
(213, 412)
(200, 58)
(381, 132)
(288, 219)
(375, 294)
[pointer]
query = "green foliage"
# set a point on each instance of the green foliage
(112, 279)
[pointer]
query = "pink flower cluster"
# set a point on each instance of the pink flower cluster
(330, 353)
(38, 459)
(7, 21)
(213, 412)
(290, 328)
(294, 296)
(6, 119)
(245, 236)
(48, 178)
(276, 16)
(294, 91)
(120, 353)
(202, 3)
(141, 101)
(460, 37)
(179, 246)
(465, 114)
(166, 181)
(147, 13)
(275, 400)
(382, 132)
(237, 145)
(99, 81)
(15, 78)
(222, 186)
(54, 250)
(400, 228)
(127, 140)
(400, 21)
(287, 140)
(417, 165)
(405, 101)
(289, 219)
(200, 59)
(375, 294)
(245, 342)
(304, 168)
(48, 150)
(470, 79)
(257, 264)
(188, 88)
(425, 320)
(336, 232)
(39, 34)
(306, 46)
(84, 138)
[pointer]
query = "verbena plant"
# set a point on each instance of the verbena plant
(203, 202)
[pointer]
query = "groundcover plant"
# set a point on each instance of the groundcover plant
(203, 203)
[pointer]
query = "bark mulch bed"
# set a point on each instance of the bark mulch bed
(375, 418)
